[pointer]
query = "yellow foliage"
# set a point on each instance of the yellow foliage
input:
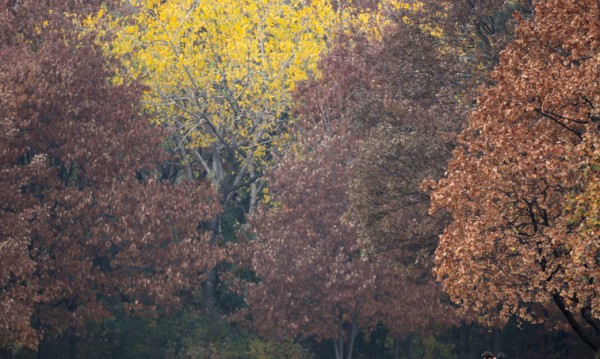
(221, 72)
(232, 64)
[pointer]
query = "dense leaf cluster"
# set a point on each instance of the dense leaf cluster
(85, 218)
(325, 172)
(520, 187)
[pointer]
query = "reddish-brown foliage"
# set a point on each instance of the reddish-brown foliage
(313, 280)
(314, 277)
(522, 190)
(83, 217)
(377, 93)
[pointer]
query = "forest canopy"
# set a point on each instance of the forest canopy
(369, 178)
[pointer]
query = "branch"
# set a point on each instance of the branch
(237, 186)
(594, 344)
(204, 163)
(194, 98)
(558, 122)
(593, 322)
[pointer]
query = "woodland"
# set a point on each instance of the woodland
(302, 179)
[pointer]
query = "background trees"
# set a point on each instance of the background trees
(526, 158)
(85, 218)
(104, 216)
(314, 279)
(219, 77)
(344, 116)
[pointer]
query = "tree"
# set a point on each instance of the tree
(519, 189)
(314, 277)
(321, 286)
(415, 89)
(85, 221)
(401, 99)
(219, 76)
(385, 90)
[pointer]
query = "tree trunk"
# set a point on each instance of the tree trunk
(189, 173)
(208, 292)
(523, 343)
(396, 348)
(253, 195)
(72, 345)
(338, 353)
(591, 337)
(338, 341)
(409, 347)
(352, 336)
(463, 340)
(496, 333)
(470, 351)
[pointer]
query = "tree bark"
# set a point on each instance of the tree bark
(338, 342)
(396, 348)
(189, 173)
(409, 347)
(352, 336)
(593, 341)
(208, 292)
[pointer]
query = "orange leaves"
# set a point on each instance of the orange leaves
(510, 190)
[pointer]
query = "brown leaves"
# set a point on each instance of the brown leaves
(372, 129)
(306, 253)
(507, 189)
(83, 216)
(313, 273)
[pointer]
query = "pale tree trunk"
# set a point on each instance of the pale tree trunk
(352, 334)
(338, 353)
(208, 292)
(255, 189)
(208, 286)
(189, 174)
(209, 297)
(343, 351)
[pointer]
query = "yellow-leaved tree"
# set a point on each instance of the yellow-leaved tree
(219, 76)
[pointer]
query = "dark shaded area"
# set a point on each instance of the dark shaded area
(184, 334)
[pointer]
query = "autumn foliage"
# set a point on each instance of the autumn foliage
(522, 187)
(219, 77)
(314, 279)
(85, 218)
(331, 172)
